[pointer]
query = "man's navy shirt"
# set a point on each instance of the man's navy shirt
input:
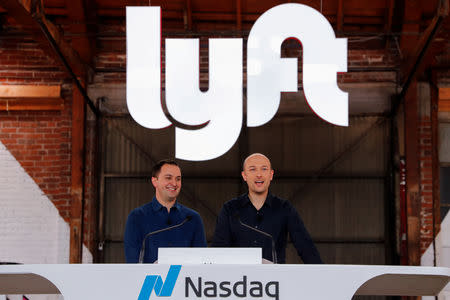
(276, 217)
(153, 216)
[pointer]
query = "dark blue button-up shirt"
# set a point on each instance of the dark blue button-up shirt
(276, 217)
(153, 216)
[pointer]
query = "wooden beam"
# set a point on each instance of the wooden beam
(414, 48)
(22, 16)
(31, 13)
(435, 166)
(388, 16)
(58, 11)
(238, 15)
(444, 93)
(444, 105)
(31, 104)
(77, 177)
(188, 20)
(207, 16)
(412, 175)
(340, 16)
(32, 18)
(388, 21)
(30, 91)
(410, 27)
(76, 11)
(421, 45)
(415, 62)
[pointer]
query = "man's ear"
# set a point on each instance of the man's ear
(271, 174)
(244, 176)
(154, 181)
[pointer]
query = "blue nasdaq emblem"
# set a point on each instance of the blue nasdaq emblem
(162, 288)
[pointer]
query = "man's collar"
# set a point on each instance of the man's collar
(268, 201)
(157, 206)
(245, 200)
(176, 205)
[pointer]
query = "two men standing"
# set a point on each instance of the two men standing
(270, 218)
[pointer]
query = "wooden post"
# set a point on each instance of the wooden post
(435, 160)
(412, 175)
(77, 172)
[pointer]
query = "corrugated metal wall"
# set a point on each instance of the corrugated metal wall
(335, 176)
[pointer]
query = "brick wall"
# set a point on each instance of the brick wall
(438, 254)
(425, 156)
(426, 183)
(24, 63)
(41, 140)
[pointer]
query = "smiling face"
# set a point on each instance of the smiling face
(167, 184)
(258, 174)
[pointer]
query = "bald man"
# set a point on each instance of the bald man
(269, 216)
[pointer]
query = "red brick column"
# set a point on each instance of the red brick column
(426, 183)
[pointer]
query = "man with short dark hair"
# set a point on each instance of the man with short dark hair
(162, 212)
(264, 212)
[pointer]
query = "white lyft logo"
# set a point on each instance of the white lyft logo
(220, 108)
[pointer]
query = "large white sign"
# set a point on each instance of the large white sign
(220, 282)
(220, 109)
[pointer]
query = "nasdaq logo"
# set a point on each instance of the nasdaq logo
(161, 288)
(213, 119)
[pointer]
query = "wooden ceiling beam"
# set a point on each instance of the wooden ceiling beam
(415, 63)
(410, 31)
(32, 19)
(238, 15)
(206, 16)
(188, 15)
(389, 15)
(419, 54)
(388, 21)
(56, 11)
(81, 42)
(340, 16)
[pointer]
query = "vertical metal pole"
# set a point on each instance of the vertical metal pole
(104, 130)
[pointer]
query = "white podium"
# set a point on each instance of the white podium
(215, 281)
(228, 256)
